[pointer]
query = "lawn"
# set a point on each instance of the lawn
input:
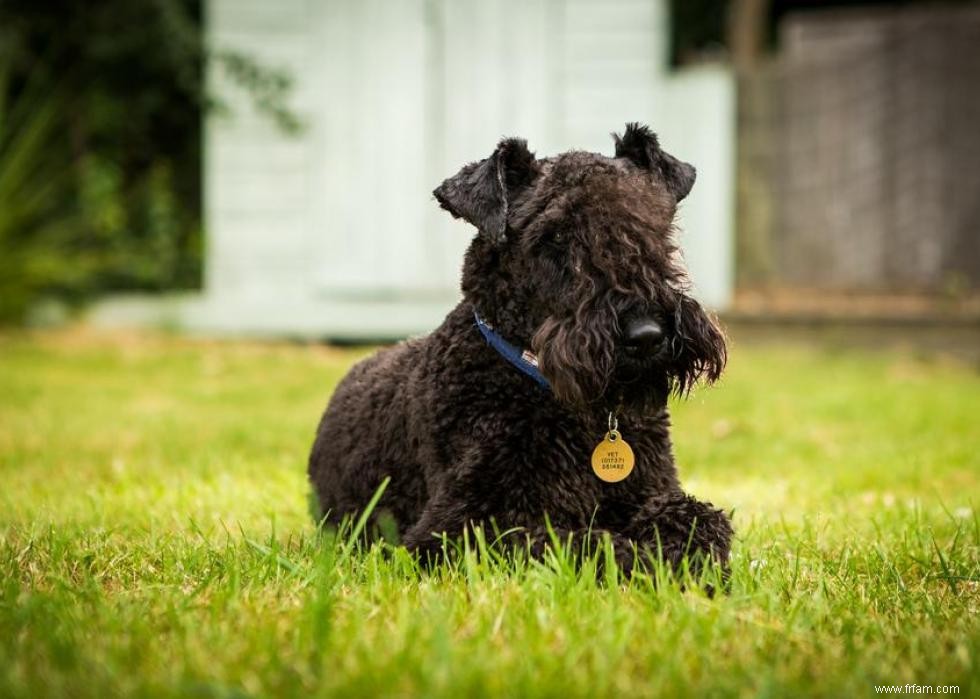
(155, 539)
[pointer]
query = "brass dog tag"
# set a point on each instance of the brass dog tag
(612, 459)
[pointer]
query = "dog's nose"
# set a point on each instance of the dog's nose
(644, 335)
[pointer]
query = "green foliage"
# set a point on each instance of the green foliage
(157, 542)
(35, 219)
(100, 144)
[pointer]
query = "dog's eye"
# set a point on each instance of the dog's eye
(553, 242)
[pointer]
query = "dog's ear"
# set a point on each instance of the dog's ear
(639, 144)
(481, 192)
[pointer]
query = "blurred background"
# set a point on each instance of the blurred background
(258, 168)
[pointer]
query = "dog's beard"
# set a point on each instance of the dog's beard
(641, 386)
(587, 369)
(577, 359)
(697, 348)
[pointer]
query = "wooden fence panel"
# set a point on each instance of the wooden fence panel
(859, 165)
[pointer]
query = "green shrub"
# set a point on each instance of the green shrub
(100, 145)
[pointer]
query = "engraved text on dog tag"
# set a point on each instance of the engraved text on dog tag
(612, 459)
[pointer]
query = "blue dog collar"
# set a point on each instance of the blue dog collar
(524, 360)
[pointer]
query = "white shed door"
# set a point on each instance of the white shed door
(368, 141)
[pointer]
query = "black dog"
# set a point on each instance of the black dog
(576, 316)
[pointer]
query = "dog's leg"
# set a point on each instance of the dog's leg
(683, 528)
(448, 517)
(441, 518)
(535, 541)
(580, 542)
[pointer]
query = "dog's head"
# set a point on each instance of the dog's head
(576, 259)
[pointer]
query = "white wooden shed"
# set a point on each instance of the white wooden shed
(335, 234)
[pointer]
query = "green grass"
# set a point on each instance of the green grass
(154, 540)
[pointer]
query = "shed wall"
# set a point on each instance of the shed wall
(334, 232)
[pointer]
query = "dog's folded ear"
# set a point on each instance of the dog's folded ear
(639, 144)
(481, 192)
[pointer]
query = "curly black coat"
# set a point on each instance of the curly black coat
(570, 250)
